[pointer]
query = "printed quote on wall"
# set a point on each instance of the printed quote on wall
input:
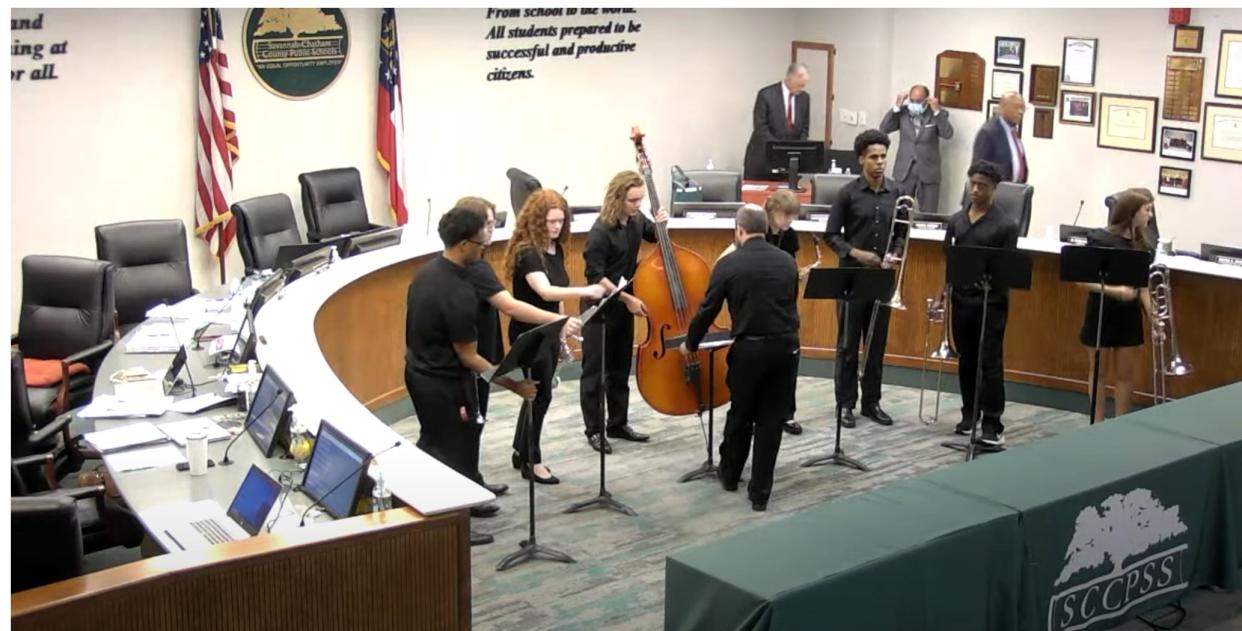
(30, 56)
(611, 32)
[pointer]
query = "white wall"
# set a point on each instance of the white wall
(1133, 45)
(112, 139)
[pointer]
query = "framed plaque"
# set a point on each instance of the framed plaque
(1077, 108)
(959, 79)
(1043, 122)
(993, 110)
(1128, 122)
(1229, 65)
(1044, 81)
(1009, 51)
(295, 53)
(1187, 39)
(1183, 88)
(1174, 181)
(1078, 61)
(1006, 81)
(1222, 132)
(1178, 143)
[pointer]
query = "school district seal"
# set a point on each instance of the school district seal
(296, 53)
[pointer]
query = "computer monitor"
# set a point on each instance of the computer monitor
(1222, 254)
(243, 344)
(706, 210)
(373, 240)
(265, 292)
(268, 417)
(1074, 235)
(794, 157)
(336, 462)
(254, 500)
(307, 264)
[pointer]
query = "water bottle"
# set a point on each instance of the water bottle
(381, 498)
(834, 168)
(711, 166)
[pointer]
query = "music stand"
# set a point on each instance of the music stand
(846, 283)
(524, 351)
(1111, 266)
(603, 499)
(995, 268)
(712, 342)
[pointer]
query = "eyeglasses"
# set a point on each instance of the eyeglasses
(478, 243)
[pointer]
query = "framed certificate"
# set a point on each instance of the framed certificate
(1229, 65)
(1077, 108)
(1187, 39)
(1222, 132)
(1078, 61)
(1128, 122)
(1006, 81)
(1044, 85)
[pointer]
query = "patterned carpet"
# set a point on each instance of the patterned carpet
(618, 581)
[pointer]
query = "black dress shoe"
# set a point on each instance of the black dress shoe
(847, 418)
(963, 427)
(625, 432)
(724, 483)
(497, 489)
(528, 473)
(599, 442)
(792, 427)
(484, 511)
(516, 460)
(878, 415)
(758, 505)
(480, 538)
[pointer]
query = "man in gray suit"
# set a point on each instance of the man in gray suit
(922, 124)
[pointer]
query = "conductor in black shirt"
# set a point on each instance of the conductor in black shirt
(858, 231)
(441, 355)
(611, 254)
(979, 224)
(760, 283)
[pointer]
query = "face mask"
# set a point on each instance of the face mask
(915, 108)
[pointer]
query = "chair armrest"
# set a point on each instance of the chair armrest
(376, 226)
(84, 492)
(87, 354)
(313, 236)
(57, 424)
(46, 461)
(13, 339)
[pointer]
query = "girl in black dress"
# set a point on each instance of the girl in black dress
(1124, 307)
(535, 264)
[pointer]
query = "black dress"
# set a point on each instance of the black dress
(1123, 319)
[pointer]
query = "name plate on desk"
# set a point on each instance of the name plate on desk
(700, 214)
(1235, 261)
(930, 225)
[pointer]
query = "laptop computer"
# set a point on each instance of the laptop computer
(197, 525)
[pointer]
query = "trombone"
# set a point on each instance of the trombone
(943, 314)
(903, 211)
(1163, 332)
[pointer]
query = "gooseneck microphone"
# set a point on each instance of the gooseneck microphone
(225, 460)
(345, 479)
(1076, 215)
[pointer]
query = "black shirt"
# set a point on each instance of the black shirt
(992, 230)
(487, 320)
(760, 283)
(439, 311)
(529, 261)
(612, 251)
(787, 241)
(866, 217)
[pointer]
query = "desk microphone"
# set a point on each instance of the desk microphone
(250, 421)
(428, 231)
(345, 479)
(1076, 215)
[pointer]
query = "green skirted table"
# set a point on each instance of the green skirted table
(909, 555)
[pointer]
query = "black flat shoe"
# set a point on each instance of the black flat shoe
(725, 484)
(484, 511)
(528, 474)
(497, 489)
(847, 418)
(625, 432)
(480, 538)
(792, 428)
(758, 506)
(516, 460)
(598, 442)
(878, 415)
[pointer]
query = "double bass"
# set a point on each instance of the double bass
(672, 281)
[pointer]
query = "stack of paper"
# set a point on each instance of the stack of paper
(146, 458)
(135, 435)
(178, 430)
(109, 406)
(159, 336)
(197, 404)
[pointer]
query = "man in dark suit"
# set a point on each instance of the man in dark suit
(922, 123)
(782, 112)
(998, 140)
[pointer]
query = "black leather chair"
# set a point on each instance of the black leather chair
(1011, 198)
(1153, 229)
(521, 185)
(333, 204)
(152, 265)
(825, 186)
(28, 438)
(53, 530)
(263, 225)
(718, 186)
(67, 314)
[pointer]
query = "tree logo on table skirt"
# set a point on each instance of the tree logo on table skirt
(1123, 552)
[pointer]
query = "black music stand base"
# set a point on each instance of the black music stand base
(604, 499)
(531, 551)
(837, 456)
(708, 469)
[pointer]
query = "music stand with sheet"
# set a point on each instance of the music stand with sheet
(712, 342)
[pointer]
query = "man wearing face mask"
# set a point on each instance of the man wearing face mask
(922, 123)
(782, 112)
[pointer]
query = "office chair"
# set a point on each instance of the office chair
(67, 318)
(333, 204)
(263, 225)
(521, 185)
(718, 186)
(1153, 229)
(1012, 199)
(826, 186)
(152, 265)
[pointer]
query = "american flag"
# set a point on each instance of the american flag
(389, 129)
(217, 140)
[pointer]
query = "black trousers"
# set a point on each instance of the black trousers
(848, 342)
(542, 371)
(967, 320)
(444, 434)
(618, 325)
(761, 382)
